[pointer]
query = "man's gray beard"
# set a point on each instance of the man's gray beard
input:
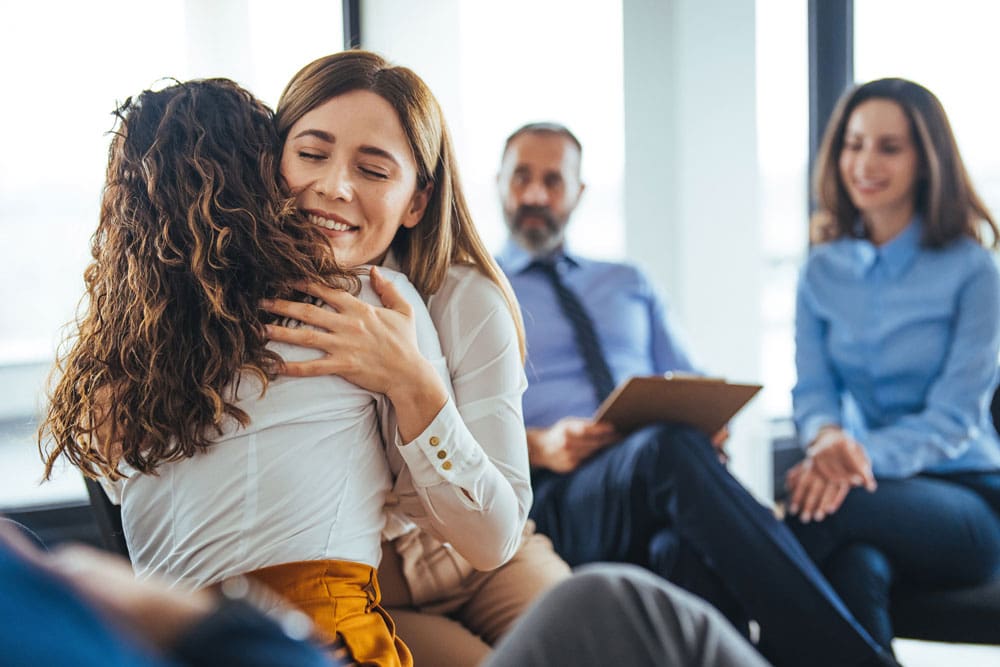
(538, 242)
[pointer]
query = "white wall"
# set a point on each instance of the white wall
(691, 186)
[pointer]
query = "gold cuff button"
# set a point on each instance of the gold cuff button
(442, 454)
(446, 465)
(435, 441)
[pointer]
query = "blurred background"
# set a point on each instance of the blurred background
(698, 119)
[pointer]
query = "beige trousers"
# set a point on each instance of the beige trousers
(458, 629)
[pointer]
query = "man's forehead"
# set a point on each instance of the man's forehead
(543, 149)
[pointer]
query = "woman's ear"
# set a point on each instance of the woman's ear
(418, 205)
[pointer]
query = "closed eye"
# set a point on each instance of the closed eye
(308, 155)
(374, 174)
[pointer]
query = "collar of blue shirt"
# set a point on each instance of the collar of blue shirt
(514, 259)
(895, 256)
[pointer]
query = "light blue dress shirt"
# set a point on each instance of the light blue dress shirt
(898, 344)
(629, 318)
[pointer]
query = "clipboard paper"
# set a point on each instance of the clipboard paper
(705, 403)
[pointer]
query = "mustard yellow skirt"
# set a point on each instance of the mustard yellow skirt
(342, 599)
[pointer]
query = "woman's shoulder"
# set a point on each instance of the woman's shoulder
(399, 281)
(467, 301)
(465, 285)
(836, 257)
(968, 249)
(964, 259)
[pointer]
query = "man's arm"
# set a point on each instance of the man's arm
(567, 443)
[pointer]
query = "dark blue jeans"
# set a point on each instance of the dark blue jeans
(624, 502)
(929, 532)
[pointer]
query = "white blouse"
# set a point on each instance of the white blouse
(466, 478)
(306, 479)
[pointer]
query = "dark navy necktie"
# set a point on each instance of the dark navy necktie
(583, 330)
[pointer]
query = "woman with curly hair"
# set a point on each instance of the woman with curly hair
(167, 390)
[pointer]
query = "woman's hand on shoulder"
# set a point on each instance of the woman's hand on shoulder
(370, 346)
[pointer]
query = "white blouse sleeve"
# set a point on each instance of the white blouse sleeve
(469, 468)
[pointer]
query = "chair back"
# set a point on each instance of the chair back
(108, 517)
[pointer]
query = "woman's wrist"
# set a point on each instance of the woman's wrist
(824, 431)
(417, 398)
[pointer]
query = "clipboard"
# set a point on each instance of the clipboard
(703, 402)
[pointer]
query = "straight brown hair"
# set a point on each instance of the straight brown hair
(945, 196)
(446, 234)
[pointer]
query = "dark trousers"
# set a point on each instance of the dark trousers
(661, 498)
(927, 533)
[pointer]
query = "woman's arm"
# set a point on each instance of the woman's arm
(816, 395)
(950, 419)
(466, 479)
(481, 503)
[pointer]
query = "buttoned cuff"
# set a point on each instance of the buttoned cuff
(442, 453)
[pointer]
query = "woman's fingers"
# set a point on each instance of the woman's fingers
(303, 312)
(829, 502)
(315, 368)
(800, 485)
(318, 290)
(340, 300)
(812, 498)
(862, 468)
(828, 464)
(317, 340)
(387, 292)
(838, 499)
(792, 477)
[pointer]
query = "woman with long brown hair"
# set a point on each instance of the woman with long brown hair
(897, 338)
(168, 392)
(368, 154)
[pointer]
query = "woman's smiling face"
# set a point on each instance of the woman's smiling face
(879, 162)
(351, 168)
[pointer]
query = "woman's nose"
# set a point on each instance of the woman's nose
(334, 184)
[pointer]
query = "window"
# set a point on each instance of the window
(571, 75)
(950, 50)
(783, 153)
(57, 113)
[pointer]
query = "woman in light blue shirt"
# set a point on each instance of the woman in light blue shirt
(897, 339)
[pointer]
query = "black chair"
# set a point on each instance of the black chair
(967, 615)
(28, 533)
(108, 517)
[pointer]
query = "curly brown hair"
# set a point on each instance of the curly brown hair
(195, 229)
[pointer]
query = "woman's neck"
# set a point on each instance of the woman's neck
(885, 225)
